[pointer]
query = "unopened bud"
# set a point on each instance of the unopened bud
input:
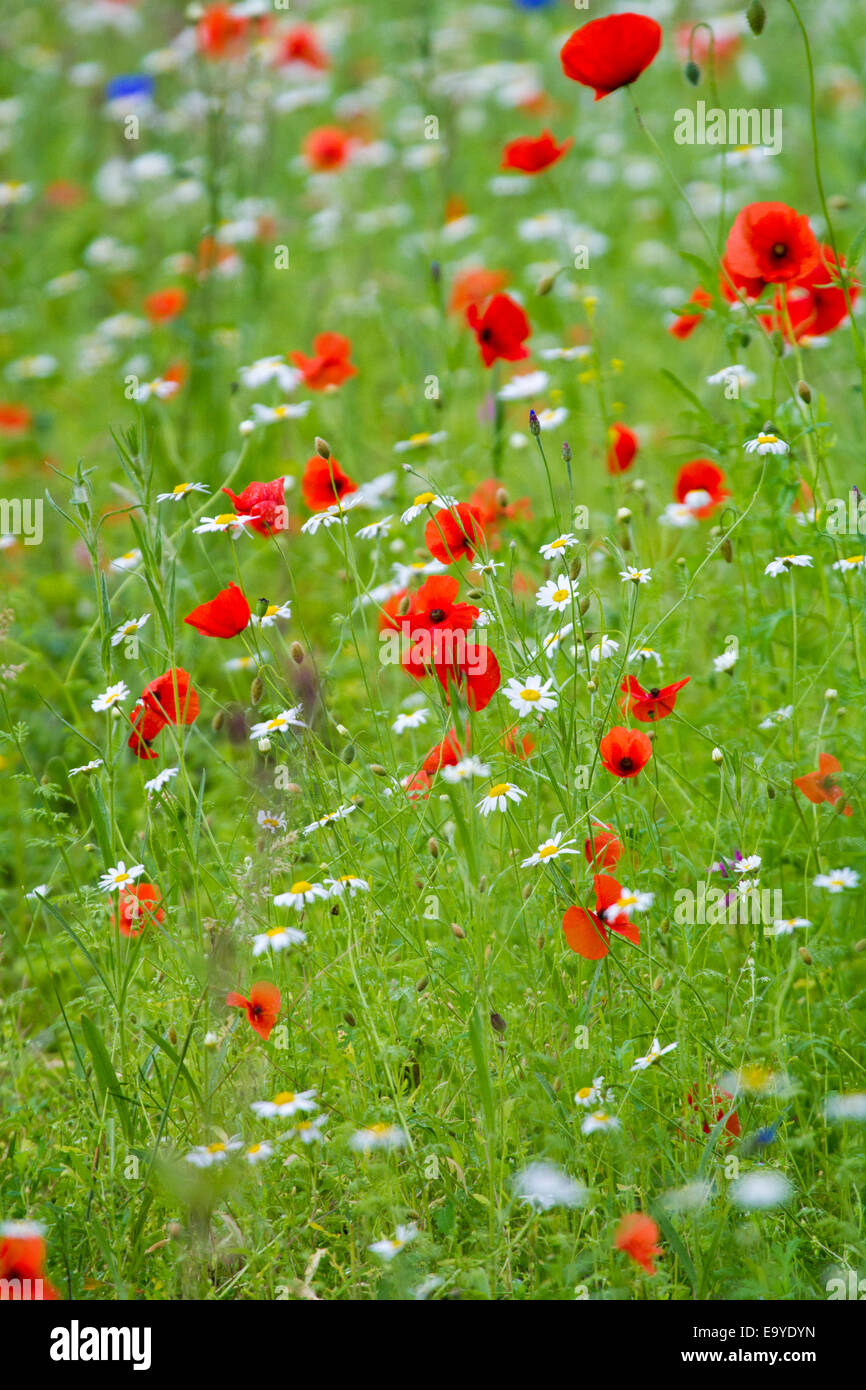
(757, 17)
(349, 1018)
(422, 984)
(378, 770)
(804, 955)
(257, 690)
(567, 455)
(692, 73)
(458, 931)
(218, 720)
(534, 426)
(296, 652)
(576, 567)
(830, 695)
(501, 497)
(433, 847)
(623, 514)
(717, 755)
(497, 1023)
(323, 448)
(546, 285)
(804, 391)
(657, 984)
(349, 753)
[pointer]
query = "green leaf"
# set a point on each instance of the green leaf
(479, 1055)
(106, 1076)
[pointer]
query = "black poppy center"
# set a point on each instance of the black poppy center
(626, 764)
(780, 250)
(437, 614)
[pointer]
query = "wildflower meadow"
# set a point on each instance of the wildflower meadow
(432, 656)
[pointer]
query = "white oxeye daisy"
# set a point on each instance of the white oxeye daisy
(551, 643)
(543, 1186)
(86, 767)
(551, 419)
(784, 926)
(523, 388)
(551, 550)
(419, 441)
(850, 562)
(678, 514)
(531, 695)
(735, 373)
(121, 564)
(346, 883)
(206, 1155)
(274, 414)
(784, 563)
(424, 500)
(242, 663)
(377, 1136)
(128, 629)
(550, 849)
(161, 780)
(160, 389)
(465, 770)
(726, 661)
(120, 877)
(646, 654)
(258, 1153)
(310, 1131)
(599, 1120)
(766, 444)
(632, 574)
(761, 1190)
(748, 864)
(413, 720)
(114, 695)
(271, 615)
(387, 1249)
(837, 880)
(498, 797)
(267, 369)
(589, 1096)
(286, 719)
(286, 1103)
(340, 814)
(375, 529)
(846, 1107)
(40, 891)
(332, 516)
(277, 939)
(557, 594)
(271, 820)
(607, 647)
(181, 490)
(629, 901)
(300, 894)
(226, 521)
(778, 716)
(641, 1063)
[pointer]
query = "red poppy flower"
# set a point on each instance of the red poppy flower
(417, 786)
(454, 533)
(532, 155)
(710, 1109)
(14, 420)
(434, 605)
(637, 1236)
(165, 305)
(263, 1007)
(649, 706)
(588, 933)
(622, 448)
(329, 366)
(772, 242)
(609, 53)
(701, 485)
(816, 305)
(751, 286)
(223, 616)
(444, 754)
(492, 512)
(477, 681)
(603, 848)
(389, 614)
(822, 785)
(22, 1258)
(300, 45)
(520, 749)
(138, 906)
(684, 325)
(474, 287)
(501, 329)
(265, 503)
(170, 699)
(327, 148)
(625, 751)
(324, 483)
(220, 31)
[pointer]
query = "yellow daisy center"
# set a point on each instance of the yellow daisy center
(301, 886)
(500, 789)
(423, 498)
(216, 1148)
(559, 595)
(224, 518)
(284, 1098)
(531, 695)
(546, 851)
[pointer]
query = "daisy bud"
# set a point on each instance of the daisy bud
(591, 687)
(296, 652)
(211, 1040)
(264, 745)
(342, 730)
(623, 514)
(262, 607)
(422, 984)
(717, 755)
(534, 427)
(322, 447)
(501, 498)
(497, 1023)
(831, 695)
(576, 567)
(757, 17)
(692, 73)
(257, 690)
(433, 847)
(804, 391)
(458, 931)
(804, 955)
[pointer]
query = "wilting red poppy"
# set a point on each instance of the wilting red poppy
(265, 503)
(772, 242)
(684, 325)
(329, 366)
(138, 906)
(170, 699)
(501, 329)
(324, 483)
(701, 485)
(220, 31)
(625, 751)
(223, 616)
(588, 933)
(22, 1258)
(815, 305)
(300, 45)
(263, 1007)
(822, 785)
(637, 1236)
(327, 148)
(492, 512)
(622, 448)
(612, 52)
(603, 848)
(454, 533)
(474, 287)
(165, 305)
(649, 706)
(531, 154)
(14, 420)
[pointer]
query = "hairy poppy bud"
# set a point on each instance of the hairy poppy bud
(322, 447)
(296, 652)
(433, 847)
(475, 594)
(218, 720)
(860, 945)
(804, 955)
(546, 285)
(458, 931)
(584, 605)
(257, 690)
(403, 606)
(378, 770)
(804, 391)
(757, 17)
(576, 566)
(349, 1018)
(349, 753)
(497, 1023)
(422, 984)
(727, 550)
(692, 73)
(501, 497)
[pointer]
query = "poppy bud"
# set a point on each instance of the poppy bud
(804, 955)
(378, 770)
(545, 285)
(860, 945)
(172, 1036)
(692, 72)
(576, 566)
(421, 984)
(433, 847)
(534, 427)
(727, 550)
(804, 391)
(584, 605)
(458, 931)
(349, 753)
(218, 720)
(757, 17)
(435, 272)
(296, 652)
(262, 607)
(257, 690)
(497, 1023)
(527, 892)
(403, 606)
(539, 941)
(475, 594)
(556, 1084)
(349, 1018)
(838, 202)
(322, 447)
(657, 984)
(501, 497)
(771, 792)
